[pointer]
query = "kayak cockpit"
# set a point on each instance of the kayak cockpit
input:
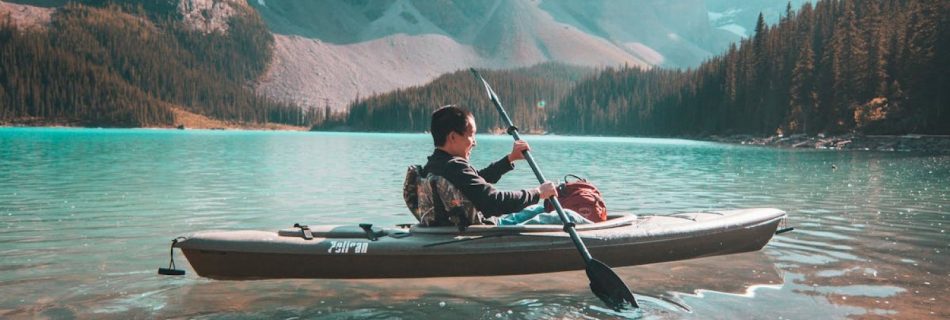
(369, 231)
(613, 221)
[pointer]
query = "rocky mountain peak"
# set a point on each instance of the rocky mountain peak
(210, 15)
(25, 16)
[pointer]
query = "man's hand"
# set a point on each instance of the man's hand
(547, 190)
(517, 150)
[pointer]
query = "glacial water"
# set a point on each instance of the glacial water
(87, 215)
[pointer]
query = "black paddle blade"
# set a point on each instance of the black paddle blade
(607, 286)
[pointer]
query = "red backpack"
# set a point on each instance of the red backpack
(582, 197)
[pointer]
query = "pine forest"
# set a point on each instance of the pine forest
(100, 64)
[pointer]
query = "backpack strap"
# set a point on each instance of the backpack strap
(463, 223)
(442, 217)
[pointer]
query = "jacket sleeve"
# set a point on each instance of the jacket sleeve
(494, 171)
(490, 201)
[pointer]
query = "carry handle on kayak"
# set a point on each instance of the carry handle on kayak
(172, 270)
(605, 284)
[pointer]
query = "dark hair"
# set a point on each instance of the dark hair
(446, 120)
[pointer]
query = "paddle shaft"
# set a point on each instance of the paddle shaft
(513, 131)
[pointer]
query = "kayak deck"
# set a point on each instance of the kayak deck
(348, 252)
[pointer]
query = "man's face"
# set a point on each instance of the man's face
(461, 144)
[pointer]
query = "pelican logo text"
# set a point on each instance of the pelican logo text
(343, 247)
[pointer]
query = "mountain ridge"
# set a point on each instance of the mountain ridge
(500, 34)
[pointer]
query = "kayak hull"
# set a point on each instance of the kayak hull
(420, 252)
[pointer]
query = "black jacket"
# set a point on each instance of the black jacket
(477, 186)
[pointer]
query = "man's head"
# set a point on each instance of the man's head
(453, 130)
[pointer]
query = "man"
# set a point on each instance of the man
(453, 133)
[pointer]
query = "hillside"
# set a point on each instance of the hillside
(129, 66)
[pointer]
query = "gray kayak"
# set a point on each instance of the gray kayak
(352, 252)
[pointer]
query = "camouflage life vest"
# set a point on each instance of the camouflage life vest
(434, 201)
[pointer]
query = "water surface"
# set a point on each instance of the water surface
(86, 216)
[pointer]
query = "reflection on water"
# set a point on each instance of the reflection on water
(86, 217)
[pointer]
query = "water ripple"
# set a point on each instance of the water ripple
(86, 216)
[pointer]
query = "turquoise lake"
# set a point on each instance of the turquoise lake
(87, 216)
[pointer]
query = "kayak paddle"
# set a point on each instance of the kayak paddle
(605, 284)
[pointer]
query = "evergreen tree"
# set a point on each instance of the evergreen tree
(803, 92)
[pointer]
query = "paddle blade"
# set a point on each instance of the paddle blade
(607, 286)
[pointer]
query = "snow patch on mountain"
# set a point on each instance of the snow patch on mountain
(726, 20)
(725, 16)
(736, 29)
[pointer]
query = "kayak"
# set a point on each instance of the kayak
(412, 251)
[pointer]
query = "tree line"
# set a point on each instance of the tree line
(100, 64)
(529, 95)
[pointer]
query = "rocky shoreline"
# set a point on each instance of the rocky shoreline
(183, 120)
(938, 144)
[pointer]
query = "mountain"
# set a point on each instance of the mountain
(513, 33)
(327, 53)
